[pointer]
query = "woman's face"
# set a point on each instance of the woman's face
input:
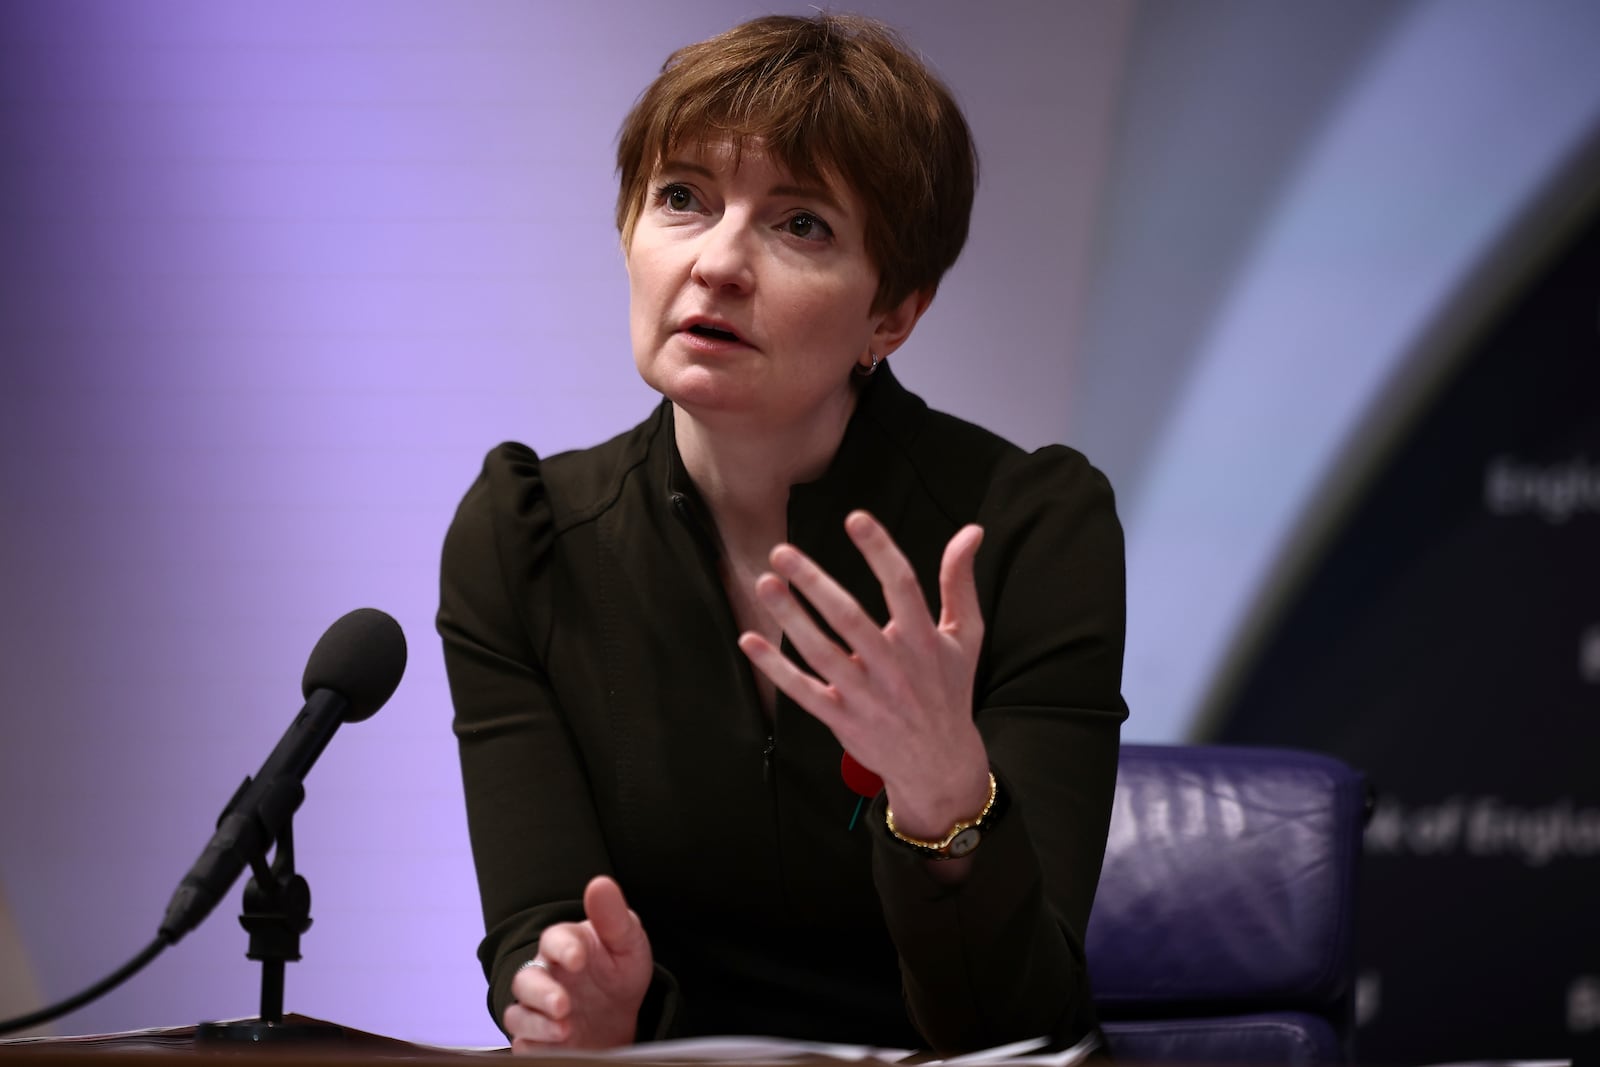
(751, 293)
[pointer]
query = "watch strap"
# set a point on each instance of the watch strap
(962, 837)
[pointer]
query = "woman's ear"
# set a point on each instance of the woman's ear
(894, 326)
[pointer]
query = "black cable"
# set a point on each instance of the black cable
(94, 992)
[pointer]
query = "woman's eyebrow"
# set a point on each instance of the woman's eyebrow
(809, 192)
(684, 164)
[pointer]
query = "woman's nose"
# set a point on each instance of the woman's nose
(723, 258)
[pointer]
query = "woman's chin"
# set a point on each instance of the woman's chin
(717, 405)
(727, 393)
(707, 390)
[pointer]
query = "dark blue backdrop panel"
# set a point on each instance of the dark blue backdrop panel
(1448, 643)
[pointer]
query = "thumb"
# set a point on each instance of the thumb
(618, 929)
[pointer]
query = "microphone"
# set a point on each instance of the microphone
(354, 668)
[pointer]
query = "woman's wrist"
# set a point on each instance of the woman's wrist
(927, 808)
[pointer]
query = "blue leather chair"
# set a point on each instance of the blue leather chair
(1223, 930)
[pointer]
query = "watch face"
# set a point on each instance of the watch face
(964, 842)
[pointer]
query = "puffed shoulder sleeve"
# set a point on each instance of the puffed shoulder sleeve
(501, 534)
(1000, 957)
(535, 837)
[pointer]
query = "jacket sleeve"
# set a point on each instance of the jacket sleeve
(1000, 957)
(536, 838)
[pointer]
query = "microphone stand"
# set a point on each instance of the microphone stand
(277, 910)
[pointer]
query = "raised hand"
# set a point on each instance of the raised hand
(584, 988)
(898, 697)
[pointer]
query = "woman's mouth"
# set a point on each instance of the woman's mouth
(713, 332)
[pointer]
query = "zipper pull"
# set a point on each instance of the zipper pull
(766, 758)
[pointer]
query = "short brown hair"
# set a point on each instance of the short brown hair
(831, 96)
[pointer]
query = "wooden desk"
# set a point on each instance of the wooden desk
(178, 1044)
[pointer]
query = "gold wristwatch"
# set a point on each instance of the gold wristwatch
(962, 838)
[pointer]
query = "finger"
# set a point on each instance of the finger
(564, 946)
(530, 1029)
(821, 652)
(901, 590)
(539, 990)
(814, 696)
(959, 611)
(617, 927)
(833, 602)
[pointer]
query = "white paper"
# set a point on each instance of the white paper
(773, 1050)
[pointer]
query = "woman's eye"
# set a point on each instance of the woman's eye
(808, 226)
(676, 197)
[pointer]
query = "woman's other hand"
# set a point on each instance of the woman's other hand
(898, 697)
(584, 988)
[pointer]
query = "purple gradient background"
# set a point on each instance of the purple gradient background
(274, 277)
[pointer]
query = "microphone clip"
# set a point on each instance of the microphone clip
(277, 910)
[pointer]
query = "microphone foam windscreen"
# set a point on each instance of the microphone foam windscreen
(361, 657)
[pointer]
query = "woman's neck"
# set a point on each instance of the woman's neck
(744, 474)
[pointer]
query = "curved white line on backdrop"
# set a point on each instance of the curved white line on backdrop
(1465, 113)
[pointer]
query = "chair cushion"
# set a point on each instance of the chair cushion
(1289, 1038)
(1229, 879)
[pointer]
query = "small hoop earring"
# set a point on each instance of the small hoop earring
(869, 371)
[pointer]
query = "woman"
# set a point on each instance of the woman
(660, 649)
